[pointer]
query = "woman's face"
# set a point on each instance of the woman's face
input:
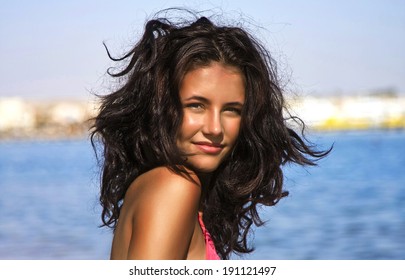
(212, 97)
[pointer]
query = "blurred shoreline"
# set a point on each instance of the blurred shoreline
(71, 119)
(23, 119)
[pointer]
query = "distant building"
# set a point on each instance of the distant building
(351, 112)
(15, 113)
(67, 113)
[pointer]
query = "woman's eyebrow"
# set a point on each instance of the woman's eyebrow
(197, 97)
(236, 103)
(207, 101)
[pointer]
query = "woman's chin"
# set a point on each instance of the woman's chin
(203, 168)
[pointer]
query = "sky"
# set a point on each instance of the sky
(53, 49)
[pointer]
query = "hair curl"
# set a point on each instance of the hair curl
(137, 125)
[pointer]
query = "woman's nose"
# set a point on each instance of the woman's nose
(213, 125)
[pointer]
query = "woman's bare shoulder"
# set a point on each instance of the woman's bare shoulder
(161, 182)
(160, 208)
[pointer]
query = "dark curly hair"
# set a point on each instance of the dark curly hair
(138, 124)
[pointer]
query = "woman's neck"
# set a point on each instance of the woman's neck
(205, 180)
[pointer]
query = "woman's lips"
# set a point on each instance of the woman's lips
(209, 148)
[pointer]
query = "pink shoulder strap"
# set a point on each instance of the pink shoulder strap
(210, 252)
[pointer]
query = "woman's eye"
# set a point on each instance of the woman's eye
(236, 111)
(195, 106)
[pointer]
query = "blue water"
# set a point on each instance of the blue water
(350, 207)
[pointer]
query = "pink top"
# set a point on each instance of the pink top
(210, 252)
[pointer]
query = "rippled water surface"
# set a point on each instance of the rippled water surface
(350, 207)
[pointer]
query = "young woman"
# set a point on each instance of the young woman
(193, 141)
